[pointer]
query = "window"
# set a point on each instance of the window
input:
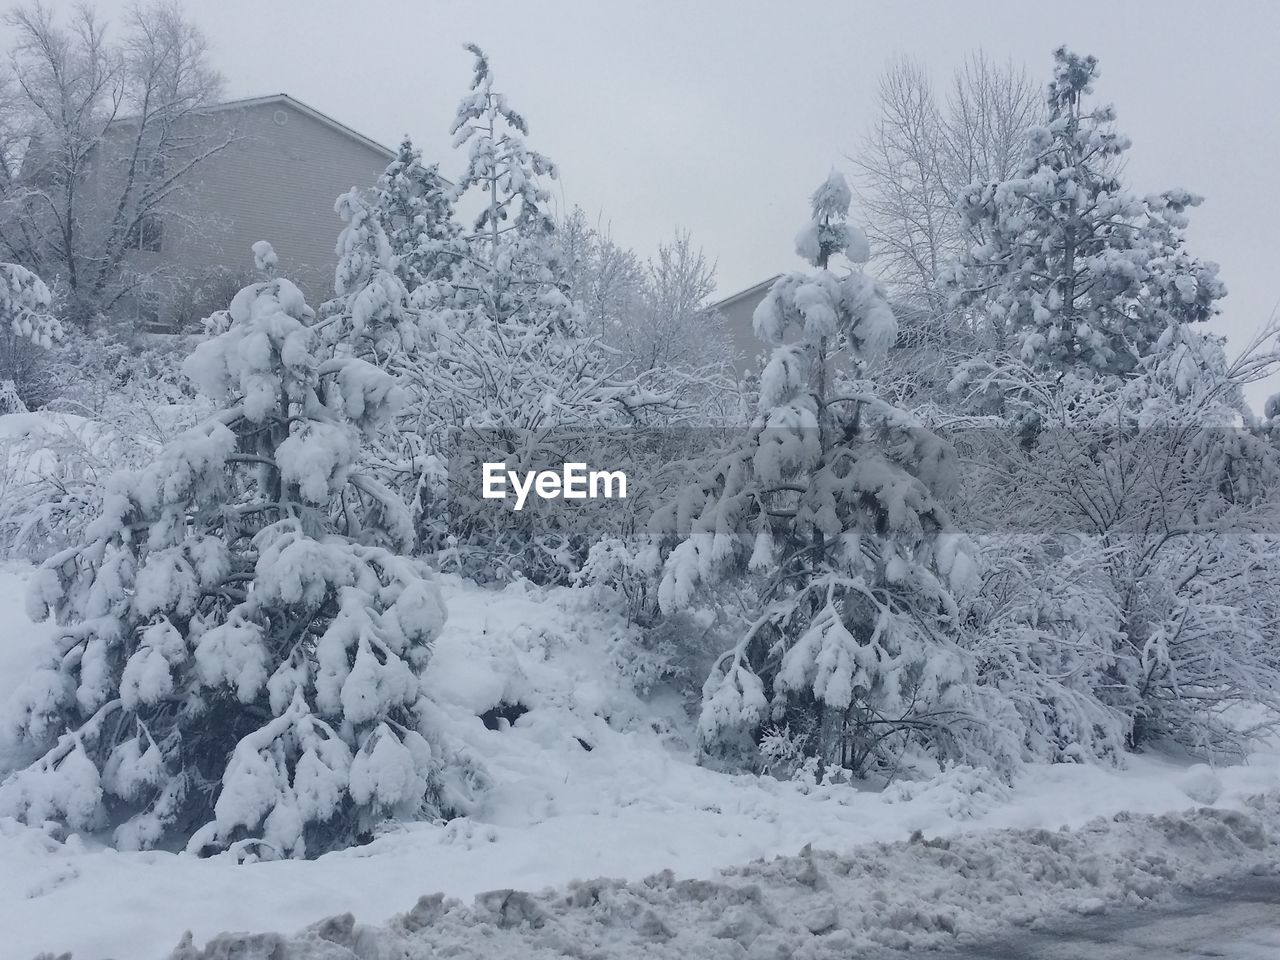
(146, 233)
(148, 313)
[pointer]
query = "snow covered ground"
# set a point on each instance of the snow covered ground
(628, 808)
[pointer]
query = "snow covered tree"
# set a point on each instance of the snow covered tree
(1075, 272)
(237, 662)
(370, 314)
(516, 269)
(655, 316)
(609, 281)
(414, 206)
(682, 332)
(86, 93)
(1130, 468)
(1145, 526)
(506, 369)
(923, 150)
(835, 500)
(28, 330)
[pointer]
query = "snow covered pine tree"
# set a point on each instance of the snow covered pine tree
(1077, 273)
(26, 327)
(505, 363)
(414, 206)
(235, 664)
(834, 499)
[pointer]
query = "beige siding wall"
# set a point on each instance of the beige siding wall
(737, 317)
(278, 183)
(738, 312)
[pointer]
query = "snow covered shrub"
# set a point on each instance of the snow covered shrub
(623, 568)
(237, 661)
(112, 405)
(678, 651)
(206, 292)
(135, 385)
(786, 754)
(962, 791)
(834, 502)
(1044, 631)
(1149, 586)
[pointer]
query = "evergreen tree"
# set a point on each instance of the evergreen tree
(370, 313)
(1077, 273)
(506, 364)
(515, 269)
(28, 331)
(834, 499)
(235, 660)
(414, 206)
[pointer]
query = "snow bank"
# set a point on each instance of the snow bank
(917, 894)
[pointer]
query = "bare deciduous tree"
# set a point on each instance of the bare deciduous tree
(682, 330)
(923, 150)
(654, 314)
(101, 136)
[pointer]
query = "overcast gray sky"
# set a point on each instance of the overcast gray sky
(722, 115)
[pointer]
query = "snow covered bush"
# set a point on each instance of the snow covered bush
(1044, 631)
(238, 660)
(834, 502)
(1136, 600)
(786, 754)
(52, 469)
(111, 405)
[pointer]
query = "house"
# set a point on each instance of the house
(737, 310)
(276, 181)
(918, 356)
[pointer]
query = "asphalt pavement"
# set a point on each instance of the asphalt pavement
(1239, 920)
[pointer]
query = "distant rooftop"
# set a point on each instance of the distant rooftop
(302, 108)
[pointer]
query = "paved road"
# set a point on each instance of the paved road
(1237, 921)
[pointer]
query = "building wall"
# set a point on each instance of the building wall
(277, 182)
(737, 312)
(737, 318)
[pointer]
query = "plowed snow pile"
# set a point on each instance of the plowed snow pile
(906, 895)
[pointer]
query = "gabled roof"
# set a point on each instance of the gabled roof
(284, 98)
(756, 290)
